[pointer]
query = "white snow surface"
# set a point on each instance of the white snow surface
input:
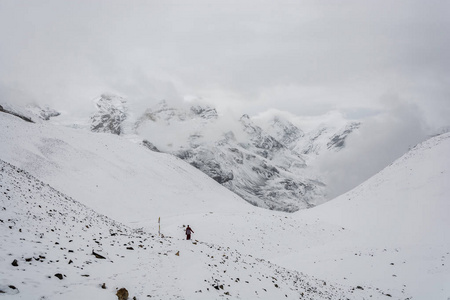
(115, 177)
(63, 189)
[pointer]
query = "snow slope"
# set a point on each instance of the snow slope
(108, 172)
(399, 221)
(387, 236)
(53, 247)
(45, 233)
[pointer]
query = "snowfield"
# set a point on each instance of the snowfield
(67, 194)
(56, 248)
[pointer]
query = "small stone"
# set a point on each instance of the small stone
(104, 286)
(59, 275)
(98, 255)
(15, 263)
(178, 253)
(122, 294)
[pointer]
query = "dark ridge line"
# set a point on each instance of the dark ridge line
(15, 114)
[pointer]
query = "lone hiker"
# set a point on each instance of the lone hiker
(188, 232)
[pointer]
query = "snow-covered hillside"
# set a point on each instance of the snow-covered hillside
(104, 170)
(264, 162)
(385, 238)
(54, 247)
(389, 233)
(398, 221)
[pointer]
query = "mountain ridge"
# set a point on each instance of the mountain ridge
(265, 166)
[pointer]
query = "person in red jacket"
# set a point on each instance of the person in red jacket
(188, 232)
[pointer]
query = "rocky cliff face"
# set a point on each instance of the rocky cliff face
(337, 141)
(111, 112)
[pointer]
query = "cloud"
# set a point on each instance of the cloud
(380, 140)
(289, 54)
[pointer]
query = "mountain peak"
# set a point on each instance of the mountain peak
(285, 131)
(245, 117)
(111, 112)
(205, 112)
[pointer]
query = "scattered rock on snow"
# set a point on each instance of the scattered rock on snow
(9, 290)
(98, 255)
(122, 294)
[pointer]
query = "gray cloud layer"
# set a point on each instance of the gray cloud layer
(309, 56)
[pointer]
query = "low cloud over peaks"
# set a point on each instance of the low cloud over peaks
(380, 140)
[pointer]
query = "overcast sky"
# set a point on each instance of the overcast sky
(307, 57)
(362, 59)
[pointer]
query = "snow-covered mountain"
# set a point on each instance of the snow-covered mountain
(240, 155)
(385, 239)
(263, 163)
(287, 133)
(324, 138)
(111, 112)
